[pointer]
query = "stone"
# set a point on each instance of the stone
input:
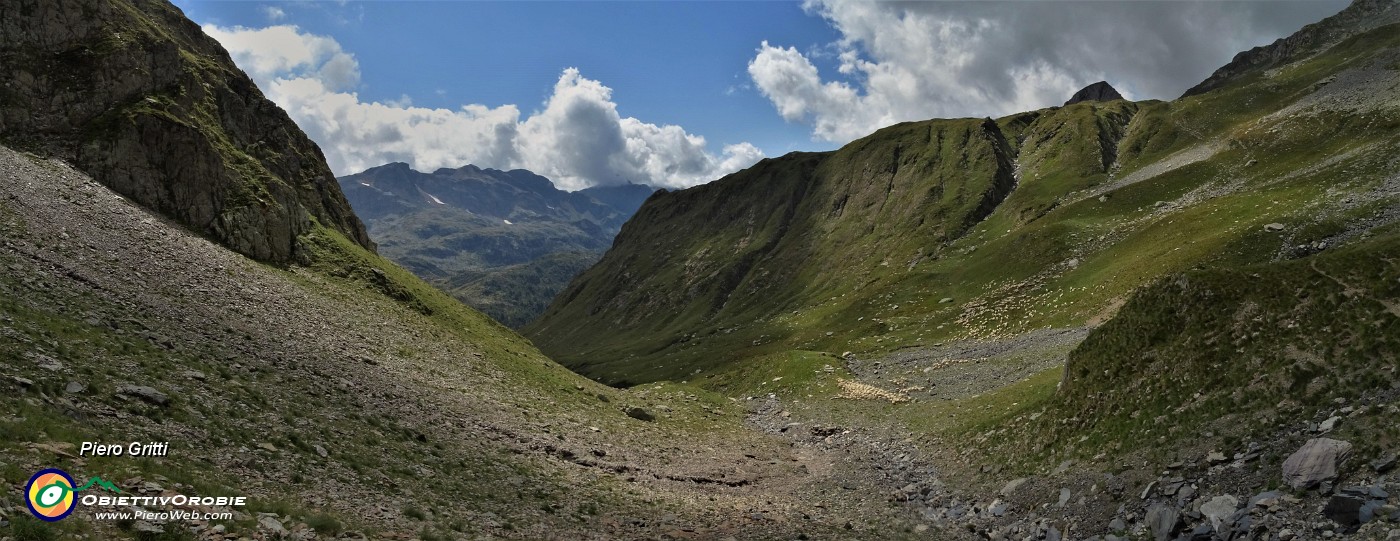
(23, 382)
(270, 524)
(1264, 499)
(1345, 510)
(640, 414)
(1117, 525)
(321, 451)
(1287, 534)
(1012, 485)
(1273, 227)
(1384, 463)
(1314, 463)
(267, 447)
(998, 508)
(1064, 496)
(1329, 425)
(1219, 509)
(147, 394)
(1163, 521)
(1216, 457)
(74, 387)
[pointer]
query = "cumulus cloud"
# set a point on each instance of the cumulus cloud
(912, 61)
(578, 139)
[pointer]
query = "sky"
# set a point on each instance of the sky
(679, 93)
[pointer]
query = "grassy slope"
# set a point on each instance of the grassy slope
(254, 397)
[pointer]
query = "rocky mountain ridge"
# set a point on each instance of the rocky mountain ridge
(504, 242)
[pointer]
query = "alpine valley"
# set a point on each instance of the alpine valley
(1102, 321)
(503, 242)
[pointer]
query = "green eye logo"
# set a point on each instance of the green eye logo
(50, 495)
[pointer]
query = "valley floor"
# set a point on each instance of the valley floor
(347, 399)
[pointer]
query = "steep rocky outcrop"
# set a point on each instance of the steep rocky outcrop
(1100, 91)
(137, 96)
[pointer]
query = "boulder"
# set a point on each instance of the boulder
(147, 394)
(1219, 510)
(1314, 463)
(1164, 521)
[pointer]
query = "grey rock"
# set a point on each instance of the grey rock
(1064, 497)
(23, 382)
(1012, 485)
(1345, 510)
(148, 394)
(1117, 525)
(1264, 499)
(640, 414)
(270, 524)
(945, 300)
(1274, 227)
(1163, 521)
(321, 451)
(1384, 463)
(1219, 510)
(74, 387)
(1148, 490)
(1315, 463)
(1329, 425)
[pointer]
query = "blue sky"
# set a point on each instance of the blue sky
(672, 63)
(439, 84)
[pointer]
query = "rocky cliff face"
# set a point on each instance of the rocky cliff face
(137, 96)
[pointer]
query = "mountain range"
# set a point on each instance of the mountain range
(503, 242)
(1108, 320)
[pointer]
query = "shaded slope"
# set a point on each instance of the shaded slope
(140, 98)
(742, 248)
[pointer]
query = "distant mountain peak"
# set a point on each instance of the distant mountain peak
(1100, 91)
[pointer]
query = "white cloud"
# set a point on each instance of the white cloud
(913, 61)
(274, 13)
(577, 140)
